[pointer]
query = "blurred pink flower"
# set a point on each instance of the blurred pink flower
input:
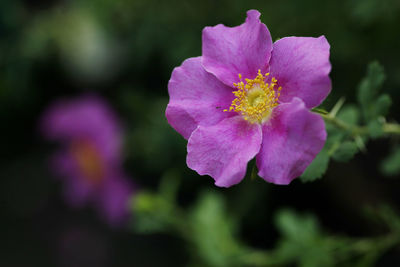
(247, 97)
(90, 160)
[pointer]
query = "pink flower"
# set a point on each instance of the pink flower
(247, 97)
(90, 160)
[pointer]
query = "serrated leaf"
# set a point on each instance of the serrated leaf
(391, 165)
(213, 231)
(317, 168)
(369, 88)
(345, 151)
(371, 84)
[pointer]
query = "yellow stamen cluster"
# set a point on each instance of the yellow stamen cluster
(256, 98)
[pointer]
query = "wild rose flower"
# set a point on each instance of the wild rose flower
(90, 159)
(247, 97)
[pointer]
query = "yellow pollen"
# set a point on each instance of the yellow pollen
(255, 98)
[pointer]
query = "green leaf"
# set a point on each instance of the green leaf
(391, 165)
(151, 215)
(169, 185)
(317, 168)
(345, 151)
(390, 217)
(382, 105)
(213, 231)
(369, 88)
(297, 227)
(302, 240)
(349, 114)
(371, 84)
(375, 128)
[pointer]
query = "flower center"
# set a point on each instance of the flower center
(256, 98)
(88, 160)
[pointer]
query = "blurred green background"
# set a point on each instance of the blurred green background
(125, 50)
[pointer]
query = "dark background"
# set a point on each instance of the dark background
(125, 51)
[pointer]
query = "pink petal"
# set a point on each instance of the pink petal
(223, 150)
(291, 140)
(76, 191)
(301, 65)
(243, 49)
(196, 98)
(113, 199)
(87, 118)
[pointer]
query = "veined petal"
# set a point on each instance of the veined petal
(301, 66)
(196, 98)
(223, 150)
(228, 51)
(291, 140)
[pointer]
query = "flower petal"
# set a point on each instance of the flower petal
(196, 98)
(113, 198)
(223, 150)
(86, 118)
(301, 65)
(76, 191)
(291, 140)
(228, 51)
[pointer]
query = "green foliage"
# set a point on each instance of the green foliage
(299, 228)
(206, 226)
(371, 84)
(339, 145)
(302, 240)
(365, 12)
(391, 165)
(147, 207)
(389, 217)
(209, 230)
(375, 129)
(345, 151)
(213, 232)
(349, 114)
(317, 168)
(349, 128)
(382, 105)
(372, 104)
(156, 212)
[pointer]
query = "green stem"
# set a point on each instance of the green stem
(336, 122)
(388, 128)
(337, 107)
(391, 128)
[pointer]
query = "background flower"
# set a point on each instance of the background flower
(90, 160)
